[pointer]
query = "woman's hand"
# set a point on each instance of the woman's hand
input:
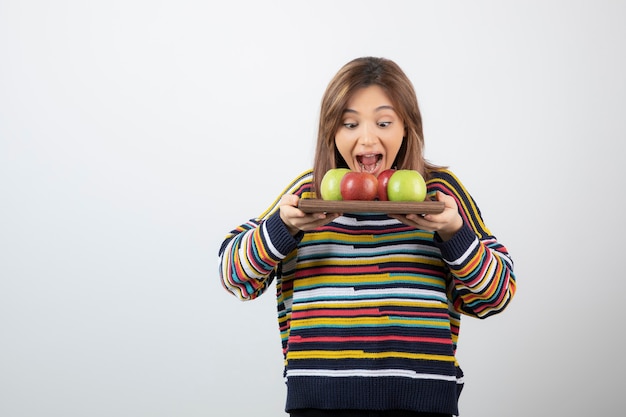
(446, 223)
(297, 220)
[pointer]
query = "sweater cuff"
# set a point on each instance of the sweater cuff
(279, 236)
(456, 247)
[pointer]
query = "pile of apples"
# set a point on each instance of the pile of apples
(390, 185)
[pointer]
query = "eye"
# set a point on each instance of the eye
(350, 125)
(383, 124)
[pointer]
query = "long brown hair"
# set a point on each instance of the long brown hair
(360, 73)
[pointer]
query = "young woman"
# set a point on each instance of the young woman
(369, 304)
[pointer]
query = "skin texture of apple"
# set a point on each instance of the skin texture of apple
(330, 187)
(406, 185)
(359, 186)
(383, 179)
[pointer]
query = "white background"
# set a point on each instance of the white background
(135, 134)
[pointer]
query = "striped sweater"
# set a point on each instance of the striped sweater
(368, 308)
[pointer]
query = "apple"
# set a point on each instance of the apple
(330, 187)
(383, 179)
(406, 185)
(359, 186)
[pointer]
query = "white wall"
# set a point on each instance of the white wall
(135, 134)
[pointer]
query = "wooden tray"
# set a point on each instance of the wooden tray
(314, 205)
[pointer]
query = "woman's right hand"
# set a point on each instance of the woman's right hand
(296, 220)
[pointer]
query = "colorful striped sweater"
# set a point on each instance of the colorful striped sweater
(368, 308)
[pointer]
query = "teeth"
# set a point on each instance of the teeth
(371, 167)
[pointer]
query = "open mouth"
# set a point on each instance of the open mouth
(370, 162)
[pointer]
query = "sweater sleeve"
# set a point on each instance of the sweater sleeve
(483, 282)
(250, 255)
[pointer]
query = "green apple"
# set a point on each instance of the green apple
(406, 185)
(330, 187)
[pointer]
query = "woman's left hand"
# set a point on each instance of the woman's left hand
(446, 223)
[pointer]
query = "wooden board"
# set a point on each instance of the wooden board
(313, 205)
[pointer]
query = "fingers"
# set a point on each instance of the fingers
(421, 221)
(318, 220)
(289, 200)
(313, 221)
(448, 200)
(413, 220)
(297, 220)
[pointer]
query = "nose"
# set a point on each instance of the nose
(368, 135)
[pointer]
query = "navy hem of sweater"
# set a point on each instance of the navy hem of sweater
(282, 240)
(367, 393)
(453, 249)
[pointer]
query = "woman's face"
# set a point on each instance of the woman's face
(371, 132)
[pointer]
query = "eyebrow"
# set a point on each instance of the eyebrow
(377, 109)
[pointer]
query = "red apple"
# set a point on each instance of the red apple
(359, 186)
(383, 179)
